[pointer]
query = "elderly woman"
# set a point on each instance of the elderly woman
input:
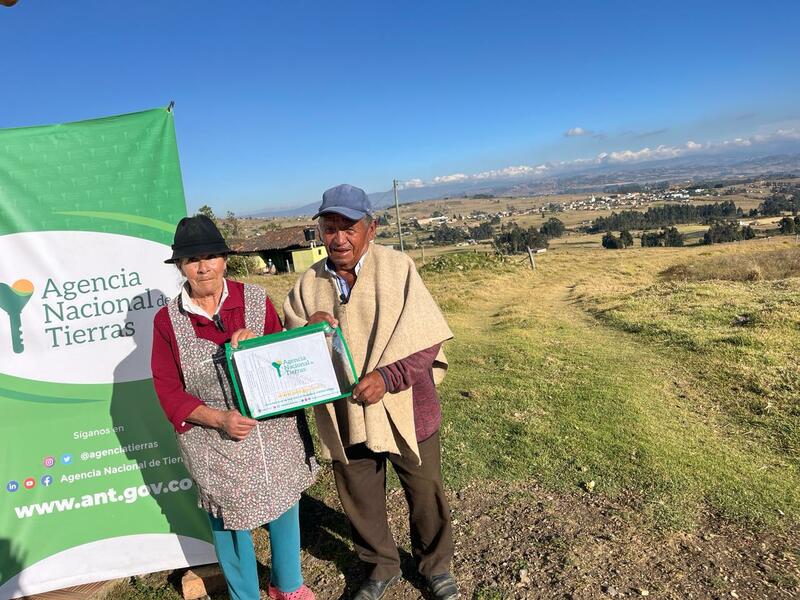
(247, 472)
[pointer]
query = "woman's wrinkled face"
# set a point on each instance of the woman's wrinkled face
(204, 273)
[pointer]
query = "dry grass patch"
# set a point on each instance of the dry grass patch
(781, 263)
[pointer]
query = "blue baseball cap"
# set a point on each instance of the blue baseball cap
(346, 200)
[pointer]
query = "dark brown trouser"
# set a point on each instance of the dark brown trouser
(362, 490)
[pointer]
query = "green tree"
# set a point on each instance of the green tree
(673, 237)
(206, 210)
(553, 228)
(448, 235)
(626, 238)
(786, 225)
(664, 216)
(484, 231)
(651, 239)
(723, 231)
(512, 239)
(229, 225)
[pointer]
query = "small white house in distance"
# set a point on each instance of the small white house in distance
(433, 221)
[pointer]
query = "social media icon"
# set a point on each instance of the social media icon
(66, 459)
(49, 461)
(29, 483)
(12, 486)
(46, 480)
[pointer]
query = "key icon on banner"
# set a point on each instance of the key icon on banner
(12, 300)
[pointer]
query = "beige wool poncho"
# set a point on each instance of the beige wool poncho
(390, 315)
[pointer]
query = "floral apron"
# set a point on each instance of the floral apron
(249, 482)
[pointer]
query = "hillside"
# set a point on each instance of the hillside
(615, 423)
(555, 180)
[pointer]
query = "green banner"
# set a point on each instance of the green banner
(92, 482)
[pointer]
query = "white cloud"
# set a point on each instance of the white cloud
(659, 152)
(779, 135)
(577, 132)
(450, 178)
(511, 172)
(613, 157)
(625, 156)
(411, 183)
(788, 134)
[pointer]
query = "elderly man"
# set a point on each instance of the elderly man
(395, 332)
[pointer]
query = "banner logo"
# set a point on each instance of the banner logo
(278, 364)
(12, 300)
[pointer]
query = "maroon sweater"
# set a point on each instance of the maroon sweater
(165, 359)
(416, 372)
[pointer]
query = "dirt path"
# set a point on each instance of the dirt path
(522, 541)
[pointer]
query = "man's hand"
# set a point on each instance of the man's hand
(236, 425)
(240, 335)
(370, 389)
(322, 317)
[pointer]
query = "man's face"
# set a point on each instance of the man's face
(346, 241)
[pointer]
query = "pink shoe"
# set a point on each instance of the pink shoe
(301, 593)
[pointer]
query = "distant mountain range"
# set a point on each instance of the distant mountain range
(587, 178)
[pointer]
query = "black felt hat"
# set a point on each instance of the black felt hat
(197, 236)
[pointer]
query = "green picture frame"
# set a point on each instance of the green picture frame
(230, 354)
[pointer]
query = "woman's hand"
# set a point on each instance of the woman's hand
(236, 425)
(232, 422)
(322, 317)
(370, 389)
(241, 335)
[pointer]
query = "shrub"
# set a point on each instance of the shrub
(723, 231)
(242, 266)
(612, 242)
(650, 239)
(467, 261)
(515, 240)
(786, 225)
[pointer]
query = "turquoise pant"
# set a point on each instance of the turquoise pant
(238, 558)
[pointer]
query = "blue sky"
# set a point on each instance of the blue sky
(275, 102)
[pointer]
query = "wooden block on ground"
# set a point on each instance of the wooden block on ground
(202, 581)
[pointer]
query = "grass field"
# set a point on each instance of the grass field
(594, 368)
(666, 379)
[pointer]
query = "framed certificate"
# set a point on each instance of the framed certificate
(290, 370)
